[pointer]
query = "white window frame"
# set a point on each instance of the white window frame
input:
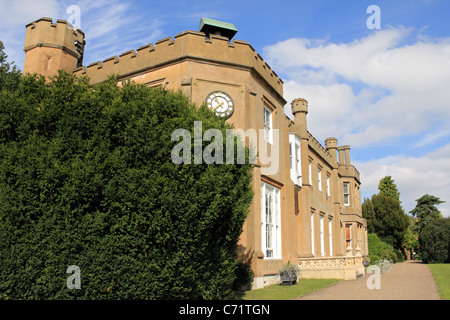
(330, 235)
(328, 185)
(322, 236)
(291, 160)
(346, 193)
(310, 172)
(270, 221)
(312, 234)
(319, 178)
(295, 159)
(267, 119)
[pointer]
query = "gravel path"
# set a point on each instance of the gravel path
(409, 280)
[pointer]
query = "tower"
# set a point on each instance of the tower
(52, 46)
(299, 109)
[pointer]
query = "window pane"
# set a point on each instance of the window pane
(266, 133)
(270, 221)
(345, 187)
(290, 154)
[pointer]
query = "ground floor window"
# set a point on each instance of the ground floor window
(270, 221)
(330, 235)
(312, 233)
(322, 237)
(348, 235)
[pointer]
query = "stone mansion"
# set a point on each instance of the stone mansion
(308, 211)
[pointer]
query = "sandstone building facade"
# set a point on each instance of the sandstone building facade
(307, 206)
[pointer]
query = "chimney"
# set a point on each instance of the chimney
(347, 154)
(341, 155)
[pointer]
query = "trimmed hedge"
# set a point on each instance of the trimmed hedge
(86, 179)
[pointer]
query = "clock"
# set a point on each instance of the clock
(220, 103)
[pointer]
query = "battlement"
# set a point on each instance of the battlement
(46, 33)
(52, 46)
(299, 105)
(319, 149)
(189, 44)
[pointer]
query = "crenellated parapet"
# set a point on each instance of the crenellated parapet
(319, 149)
(191, 45)
(50, 46)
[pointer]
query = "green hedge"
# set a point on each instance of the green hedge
(86, 179)
(379, 249)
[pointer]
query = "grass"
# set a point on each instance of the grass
(441, 274)
(279, 292)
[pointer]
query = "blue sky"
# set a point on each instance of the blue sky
(385, 92)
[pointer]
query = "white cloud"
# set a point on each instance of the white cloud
(382, 89)
(14, 15)
(111, 26)
(414, 177)
(390, 84)
(25, 11)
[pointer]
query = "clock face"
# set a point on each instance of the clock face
(221, 103)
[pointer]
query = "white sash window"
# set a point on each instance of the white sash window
(270, 221)
(295, 159)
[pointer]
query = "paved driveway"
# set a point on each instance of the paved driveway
(410, 280)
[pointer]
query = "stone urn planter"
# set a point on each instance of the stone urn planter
(289, 274)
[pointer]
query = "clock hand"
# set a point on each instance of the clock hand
(218, 104)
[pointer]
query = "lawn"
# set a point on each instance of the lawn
(441, 274)
(279, 292)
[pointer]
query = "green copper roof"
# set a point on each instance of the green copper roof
(210, 26)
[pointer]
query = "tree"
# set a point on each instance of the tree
(392, 221)
(87, 180)
(434, 241)
(410, 240)
(426, 211)
(368, 213)
(385, 215)
(9, 73)
(387, 187)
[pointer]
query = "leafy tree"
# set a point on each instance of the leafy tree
(86, 179)
(426, 211)
(386, 218)
(410, 241)
(385, 215)
(387, 187)
(434, 241)
(368, 213)
(9, 73)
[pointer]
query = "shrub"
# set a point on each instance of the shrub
(244, 276)
(86, 179)
(380, 250)
(400, 256)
